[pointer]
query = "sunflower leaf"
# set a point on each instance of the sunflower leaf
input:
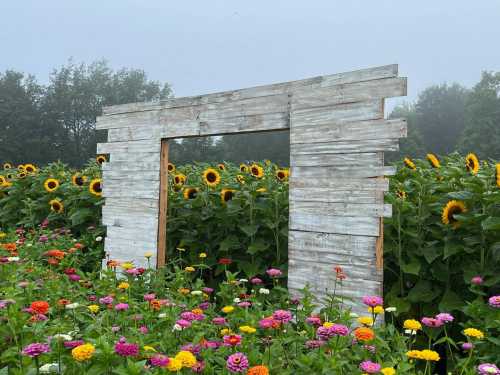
(491, 223)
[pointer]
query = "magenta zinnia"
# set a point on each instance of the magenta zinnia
(373, 301)
(237, 362)
(36, 349)
(126, 349)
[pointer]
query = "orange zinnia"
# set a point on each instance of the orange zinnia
(155, 304)
(364, 334)
(10, 246)
(258, 370)
(58, 254)
(41, 307)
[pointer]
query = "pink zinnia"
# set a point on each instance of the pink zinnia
(431, 322)
(188, 315)
(237, 362)
(373, 301)
(36, 349)
(282, 316)
(149, 297)
(370, 367)
(74, 277)
(314, 344)
(245, 304)
(274, 272)
(199, 367)
(445, 317)
(313, 320)
(143, 329)
(339, 330)
(494, 302)
(121, 306)
(160, 360)
(477, 280)
(106, 300)
(220, 321)
(126, 349)
(255, 281)
(267, 323)
(73, 344)
(184, 323)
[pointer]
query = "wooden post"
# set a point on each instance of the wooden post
(163, 202)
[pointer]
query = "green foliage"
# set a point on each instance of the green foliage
(429, 264)
(251, 229)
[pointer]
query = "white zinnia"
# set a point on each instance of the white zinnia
(62, 336)
(48, 368)
(196, 292)
(177, 327)
(72, 306)
(263, 291)
(391, 309)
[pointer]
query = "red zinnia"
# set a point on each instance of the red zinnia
(40, 307)
(225, 261)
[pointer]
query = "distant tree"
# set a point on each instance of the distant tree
(482, 131)
(24, 136)
(440, 117)
(75, 97)
(413, 145)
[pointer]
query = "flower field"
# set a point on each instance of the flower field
(220, 306)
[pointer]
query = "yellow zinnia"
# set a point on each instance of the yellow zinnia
(365, 320)
(123, 285)
(228, 309)
(186, 358)
(412, 324)
(94, 308)
(388, 371)
(473, 332)
(247, 329)
(174, 365)
(83, 352)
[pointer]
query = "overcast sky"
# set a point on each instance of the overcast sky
(207, 45)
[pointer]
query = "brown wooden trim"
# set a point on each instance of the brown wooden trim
(163, 203)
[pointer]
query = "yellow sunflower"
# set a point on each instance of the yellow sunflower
(101, 159)
(20, 168)
(226, 195)
(179, 179)
(56, 206)
(401, 194)
(433, 159)
(472, 163)
(170, 167)
(78, 180)
(10, 176)
(497, 174)
(256, 170)
(95, 187)
(21, 174)
(3, 180)
(240, 178)
(452, 208)
(7, 166)
(409, 163)
(221, 166)
(211, 177)
(29, 168)
(190, 193)
(51, 185)
(282, 174)
(243, 168)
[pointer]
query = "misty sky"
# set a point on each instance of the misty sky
(206, 45)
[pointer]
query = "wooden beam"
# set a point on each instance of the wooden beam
(163, 202)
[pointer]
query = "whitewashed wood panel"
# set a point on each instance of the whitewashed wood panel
(133, 157)
(318, 194)
(304, 132)
(334, 160)
(376, 73)
(342, 172)
(128, 167)
(338, 114)
(342, 244)
(348, 93)
(138, 202)
(129, 147)
(126, 233)
(144, 177)
(244, 124)
(304, 150)
(133, 119)
(326, 208)
(363, 226)
(378, 184)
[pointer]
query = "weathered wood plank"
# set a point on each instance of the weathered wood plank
(134, 157)
(333, 160)
(386, 71)
(144, 177)
(326, 208)
(126, 166)
(363, 226)
(135, 202)
(305, 132)
(132, 119)
(342, 244)
(348, 93)
(344, 147)
(340, 172)
(317, 194)
(122, 233)
(129, 147)
(163, 203)
(338, 114)
(245, 124)
(381, 184)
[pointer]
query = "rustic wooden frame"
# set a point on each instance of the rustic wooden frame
(338, 136)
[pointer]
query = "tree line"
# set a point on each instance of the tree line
(43, 123)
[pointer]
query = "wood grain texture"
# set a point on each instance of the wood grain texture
(311, 222)
(341, 172)
(316, 158)
(304, 150)
(387, 71)
(340, 208)
(327, 194)
(163, 202)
